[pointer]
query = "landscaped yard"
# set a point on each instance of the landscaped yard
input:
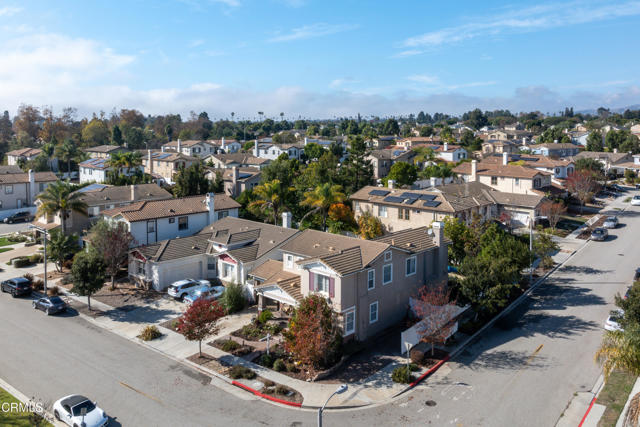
(5, 249)
(5, 242)
(18, 419)
(614, 396)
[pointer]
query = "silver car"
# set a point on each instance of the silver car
(610, 222)
(599, 234)
(182, 288)
(206, 292)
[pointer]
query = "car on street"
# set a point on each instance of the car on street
(635, 201)
(78, 411)
(24, 216)
(206, 292)
(599, 234)
(50, 305)
(619, 188)
(182, 288)
(613, 321)
(17, 286)
(610, 222)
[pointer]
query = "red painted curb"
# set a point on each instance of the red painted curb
(429, 372)
(265, 396)
(588, 410)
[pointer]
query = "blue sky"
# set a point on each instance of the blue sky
(314, 58)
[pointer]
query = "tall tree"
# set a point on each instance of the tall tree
(60, 198)
(191, 181)
(96, 132)
(116, 135)
(87, 274)
(60, 246)
(269, 199)
(321, 199)
(111, 242)
(403, 173)
(66, 152)
(357, 170)
(369, 226)
(582, 184)
(200, 320)
(553, 211)
(594, 141)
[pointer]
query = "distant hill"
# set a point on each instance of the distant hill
(613, 110)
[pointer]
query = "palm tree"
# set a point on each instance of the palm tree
(620, 350)
(67, 151)
(117, 161)
(59, 197)
(321, 198)
(132, 160)
(269, 198)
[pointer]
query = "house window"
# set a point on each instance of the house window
(373, 312)
(228, 269)
(387, 256)
(140, 268)
(536, 183)
(387, 274)
(382, 211)
(322, 283)
(403, 213)
(223, 214)
(517, 181)
(289, 261)
(371, 279)
(8, 189)
(557, 171)
(410, 266)
(42, 186)
(211, 264)
(172, 220)
(349, 322)
(494, 180)
(183, 223)
(94, 210)
(356, 206)
(151, 227)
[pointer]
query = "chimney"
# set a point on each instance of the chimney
(391, 184)
(179, 146)
(446, 146)
(222, 144)
(438, 239)
(162, 148)
(150, 162)
(32, 187)
(255, 149)
(505, 159)
(474, 171)
(286, 219)
(133, 192)
(438, 232)
(234, 180)
(433, 181)
(524, 140)
(555, 141)
(306, 140)
(210, 207)
(615, 150)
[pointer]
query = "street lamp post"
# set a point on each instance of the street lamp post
(44, 245)
(340, 390)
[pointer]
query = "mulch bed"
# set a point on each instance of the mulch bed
(126, 294)
(258, 332)
(84, 308)
(170, 324)
(52, 275)
(586, 233)
(241, 351)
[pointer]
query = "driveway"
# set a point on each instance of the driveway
(13, 228)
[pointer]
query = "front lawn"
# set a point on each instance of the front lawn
(18, 419)
(5, 242)
(614, 396)
(5, 249)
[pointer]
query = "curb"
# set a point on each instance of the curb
(265, 396)
(24, 399)
(430, 371)
(584, 417)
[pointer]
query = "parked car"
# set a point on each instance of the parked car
(599, 234)
(206, 292)
(182, 288)
(610, 222)
(50, 305)
(24, 216)
(76, 410)
(635, 201)
(613, 321)
(16, 286)
(619, 188)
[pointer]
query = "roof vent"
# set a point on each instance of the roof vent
(316, 245)
(331, 248)
(393, 242)
(272, 241)
(194, 247)
(171, 210)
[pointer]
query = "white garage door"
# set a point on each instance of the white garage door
(519, 218)
(192, 270)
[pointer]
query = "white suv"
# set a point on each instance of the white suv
(182, 288)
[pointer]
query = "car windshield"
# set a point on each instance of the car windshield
(597, 231)
(611, 218)
(86, 404)
(56, 300)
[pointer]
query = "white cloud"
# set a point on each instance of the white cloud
(338, 83)
(319, 29)
(424, 78)
(196, 43)
(9, 11)
(230, 3)
(525, 19)
(434, 83)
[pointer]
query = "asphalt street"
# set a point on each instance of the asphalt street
(522, 372)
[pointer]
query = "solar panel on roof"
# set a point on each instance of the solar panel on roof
(378, 192)
(408, 195)
(163, 156)
(431, 204)
(427, 197)
(393, 199)
(409, 201)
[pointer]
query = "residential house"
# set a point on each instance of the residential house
(97, 170)
(18, 190)
(635, 130)
(226, 250)
(382, 160)
(367, 283)
(413, 141)
(514, 126)
(23, 154)
(273, 151)
(612, 162)
(164, 166)
(579, 138)
(555, 149)
(241, 160)
(236, 180)
(157, 220)
(381, 142)
(493, 146)
(633, 166)
(99, 198)
(560, 168)
(226, 145)
(449, 152)
(104, 151)
(507, 178)
(192, 148)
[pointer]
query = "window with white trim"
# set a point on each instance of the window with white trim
(322, 283)
(228, 270)
(371, 279)
(151, 227)
(8, 189)
(410, 266)
(288, 260)
(349, 322)
(373, 312)
(387, 273)
(382, 211)
(387, 256)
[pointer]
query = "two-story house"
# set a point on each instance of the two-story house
(18, 190)
(96, 170)
(226, 145)
(241, 160)
(560, 168)
(555, 149)
(192, 148)
(104, 151)
(164, 166)
(493, 146)
(367, 282)
(226, 250)
(273, 151)
(612, 162)
(449, 152)
(382, 160)
(236, 180)
(23, 154)
(157, 220)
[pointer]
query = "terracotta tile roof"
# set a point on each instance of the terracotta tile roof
(10, 169)
(100, 164)
(143, 211)
(105, 149)
(26, 152)
(611, 157)
(531, 160)
(268, 269)
(23, 178)
(245, 253)
(343, 261)
(513, 199)
(119, 194)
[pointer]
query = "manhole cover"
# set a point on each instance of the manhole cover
(430, 403)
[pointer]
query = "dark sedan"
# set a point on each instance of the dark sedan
(50, 305)
(19, 217)
(16, 286)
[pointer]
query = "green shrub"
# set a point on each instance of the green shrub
(233, 298)
(239, 371)
(67, 264)
(283, 390)
(150, 332)
(291, 367)
(268, 383)
(266, 360)
(16, 238)
(279, 365)
(265, 316)
(36, 258)
(230, 345)
(402, 375)
(22, 262)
